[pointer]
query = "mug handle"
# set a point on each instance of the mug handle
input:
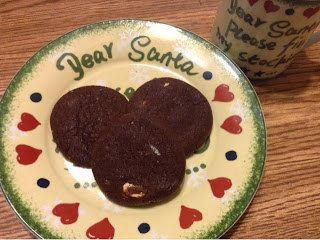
(312, 40)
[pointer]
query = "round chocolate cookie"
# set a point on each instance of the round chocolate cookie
(79, 117)
(184, 107)
(138, 161)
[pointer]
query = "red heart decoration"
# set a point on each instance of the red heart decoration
(101, 230)
(270, 7)
(310, 12)
(231, 124)
(28, 122)
(67, 211)
(252, 2)
(219, 185)
(222, 94)
(27, 155)
(188, 216)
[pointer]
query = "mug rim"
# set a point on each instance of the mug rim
(300, 2)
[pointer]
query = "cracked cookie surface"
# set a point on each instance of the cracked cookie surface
(186, 109)
(79, 117)
(138, 161)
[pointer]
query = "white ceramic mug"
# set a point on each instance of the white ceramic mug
(263, 36)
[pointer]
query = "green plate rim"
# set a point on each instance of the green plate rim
(39, 228)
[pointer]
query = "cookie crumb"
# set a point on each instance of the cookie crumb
(155, 150)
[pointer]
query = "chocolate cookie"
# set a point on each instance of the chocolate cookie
(79, 117)
(138, 161)
(184, 107)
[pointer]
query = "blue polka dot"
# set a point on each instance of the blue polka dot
(43, 183)
(36, 97)
(231, 156)
(207, 75)
(289, 12)
(144, 228)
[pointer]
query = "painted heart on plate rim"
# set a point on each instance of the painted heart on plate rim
(68, 212)
(222, 94)
(232, 124)
(28, 122)
(27, 155)
(188, 216)
(219, 186)
(101, 230)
